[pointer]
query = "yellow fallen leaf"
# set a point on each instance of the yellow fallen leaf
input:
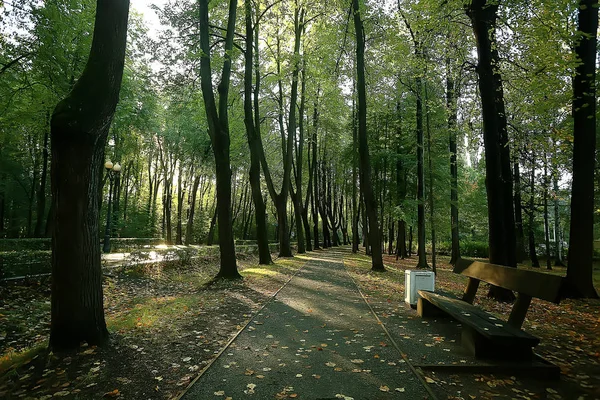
(114, 393)
(429, 380)
(384, 388)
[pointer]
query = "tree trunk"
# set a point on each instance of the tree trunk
(189, 229)
(41, 194)
(252, 126)
(180, 196)
(579, 281)
(410, 241)
(430, 166)
(557, 228)
(452, 118)
(532, 254)
(211, 230)
(520, 239)
(546, 219)
(79, 129)
(314, 202)
(218, 129)
(363, 145)
(502, 241)
(422, 262)
(355, 216)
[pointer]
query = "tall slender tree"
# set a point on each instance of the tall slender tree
(218, 129)
(363, 144)
(264, 254)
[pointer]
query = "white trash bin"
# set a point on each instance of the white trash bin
(416, 280)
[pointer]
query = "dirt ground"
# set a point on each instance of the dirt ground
(165, 325)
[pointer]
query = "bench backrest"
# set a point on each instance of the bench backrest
(531, 283)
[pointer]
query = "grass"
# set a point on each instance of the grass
(12, 359)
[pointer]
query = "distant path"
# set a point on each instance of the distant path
(317, 339)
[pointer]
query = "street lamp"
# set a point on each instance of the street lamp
(111, 171)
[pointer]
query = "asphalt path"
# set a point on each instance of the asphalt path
(316, 339)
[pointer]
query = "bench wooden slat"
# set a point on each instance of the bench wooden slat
(485, 324)
(534, 284)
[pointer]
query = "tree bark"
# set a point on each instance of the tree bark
(452, 118)
(520, 239)
(189, 229)
(218, 129)
(579, 281)
(531, 210)
(41, 194)
(502, 241)
(79, 129)
(355, 216)
(557, 228)
(546, 219)
(252, 124)
(363, 145)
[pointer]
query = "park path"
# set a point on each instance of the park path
(317, 339)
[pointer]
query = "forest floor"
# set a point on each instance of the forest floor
(167, 326)
(569, 333)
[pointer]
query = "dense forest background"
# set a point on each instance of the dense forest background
(419, 55)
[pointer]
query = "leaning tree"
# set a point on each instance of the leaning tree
(79, 128)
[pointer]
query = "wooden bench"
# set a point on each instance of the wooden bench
(484, 335)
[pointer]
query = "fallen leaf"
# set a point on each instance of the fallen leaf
(384, 388)
(114, 393)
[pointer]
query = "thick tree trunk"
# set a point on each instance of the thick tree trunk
(363, 145)
(79, 130)
(218, 129)
(581, 241)
(502, 241)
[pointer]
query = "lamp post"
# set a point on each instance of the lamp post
(111, 171)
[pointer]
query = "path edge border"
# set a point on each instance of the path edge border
(418, 373)
(238, 333)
